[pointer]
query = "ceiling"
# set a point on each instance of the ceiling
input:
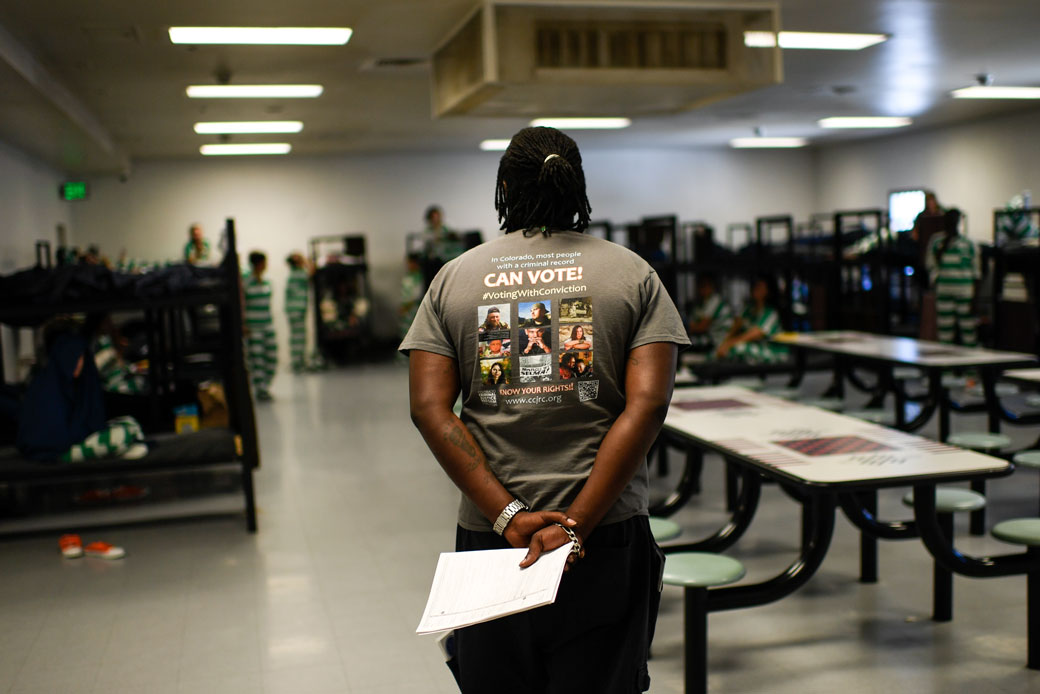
(95, 86)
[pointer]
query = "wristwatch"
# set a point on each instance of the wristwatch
(512, 508)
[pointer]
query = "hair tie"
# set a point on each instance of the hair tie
(549, 157)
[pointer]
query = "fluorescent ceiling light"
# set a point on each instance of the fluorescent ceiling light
(254, 91)
(979, 92)
(767, 142)
(812, 40)
(865, 122)
(281, 36)
(265, 148)
(269, 126)
(582, 123)
(494, 145)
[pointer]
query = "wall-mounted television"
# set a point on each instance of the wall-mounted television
(903, 208)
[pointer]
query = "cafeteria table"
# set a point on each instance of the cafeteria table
(824, 461)
(851, 347)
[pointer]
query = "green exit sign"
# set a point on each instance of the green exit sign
(73, 190)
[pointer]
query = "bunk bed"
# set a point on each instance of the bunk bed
(343, 296)
(167, 299)
(679, 252)
(1015, 295)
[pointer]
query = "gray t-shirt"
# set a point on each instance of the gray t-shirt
(541, 327)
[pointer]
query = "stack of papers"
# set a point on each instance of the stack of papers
(473, 587)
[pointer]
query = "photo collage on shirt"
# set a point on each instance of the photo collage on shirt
(535, 341)
(574, 335)
(493, 345)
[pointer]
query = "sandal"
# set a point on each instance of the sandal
(104, 550)
(71, 546)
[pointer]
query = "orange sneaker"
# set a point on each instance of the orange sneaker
(104, 550)
(71, 546)
(93, 496)
(129, 492)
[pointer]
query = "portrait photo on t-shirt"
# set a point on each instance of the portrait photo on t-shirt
(492, 319)
(575, 336)
(575, 364)
(535, 341)
(492, 347)
(534, 314)
(494, 372)
(577, 310)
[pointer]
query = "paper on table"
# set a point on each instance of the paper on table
(473, 587)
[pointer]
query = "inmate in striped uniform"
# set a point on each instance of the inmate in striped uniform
(296, 294)
(720, 317)
(116, 376)
(760, 351)
(260, 340)
(954, 267)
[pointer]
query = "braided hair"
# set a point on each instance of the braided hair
(541, 183)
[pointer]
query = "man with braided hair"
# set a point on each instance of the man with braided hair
(544, 461)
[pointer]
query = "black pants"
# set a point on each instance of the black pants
(595, 638)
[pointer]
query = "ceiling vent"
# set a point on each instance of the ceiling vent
(395, 65)
(597, 57)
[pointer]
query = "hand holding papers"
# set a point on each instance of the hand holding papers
(473, 587)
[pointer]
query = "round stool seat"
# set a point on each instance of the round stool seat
(833, 404)
(749, 383)
(952, 500)
(954, 381)
(784, 393)
(979, 441)
(1020, 531)
(1027, 459)
(877, 416)
(701, 569)
(1001, 389)
(906, 373)
(663, 529)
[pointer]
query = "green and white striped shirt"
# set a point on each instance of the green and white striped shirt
(718, 311)
(959, 264)
(258, 301)
(296, 291)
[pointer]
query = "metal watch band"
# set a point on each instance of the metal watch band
(512, 508)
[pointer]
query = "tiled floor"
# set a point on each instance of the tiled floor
(353, 512)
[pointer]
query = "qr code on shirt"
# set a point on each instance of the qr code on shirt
(489, 397)
(588, 390)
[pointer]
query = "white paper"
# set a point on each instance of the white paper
(473, 587)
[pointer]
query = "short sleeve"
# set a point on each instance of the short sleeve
(428, 332)
(660, 320)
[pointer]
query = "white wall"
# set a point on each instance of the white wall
(278, 204)
(976, 167)
(29, 211)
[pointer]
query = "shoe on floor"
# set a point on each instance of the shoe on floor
(71, 546)
(129, 492)
(93, 496)
(104, 550)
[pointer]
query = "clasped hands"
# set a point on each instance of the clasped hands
(539, 533)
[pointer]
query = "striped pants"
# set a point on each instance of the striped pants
(114, 440)
(953, 310)
(263, 356)
(297, 338)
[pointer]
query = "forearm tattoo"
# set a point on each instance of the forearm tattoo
(456, 436)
